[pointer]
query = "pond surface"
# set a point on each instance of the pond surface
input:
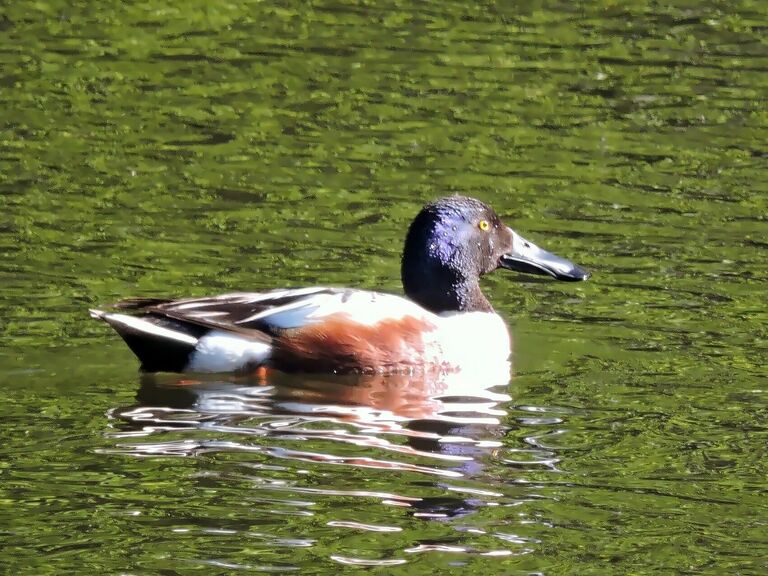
(154, 149)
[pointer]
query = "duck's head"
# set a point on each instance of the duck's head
(454, 241)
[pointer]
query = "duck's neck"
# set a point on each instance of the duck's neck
(442, 291)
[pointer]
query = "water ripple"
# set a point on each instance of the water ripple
(419, 420)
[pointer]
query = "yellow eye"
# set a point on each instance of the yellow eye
(483, 225)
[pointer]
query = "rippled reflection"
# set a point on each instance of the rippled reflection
(435, 425)
(405, 448)
(417, 466)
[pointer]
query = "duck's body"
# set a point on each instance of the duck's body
(443, 324)
(307, 329)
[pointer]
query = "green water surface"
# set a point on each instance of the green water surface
(175, 149)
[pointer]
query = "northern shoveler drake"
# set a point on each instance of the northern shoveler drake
(443, 323)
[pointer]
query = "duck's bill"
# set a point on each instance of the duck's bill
(528, 258)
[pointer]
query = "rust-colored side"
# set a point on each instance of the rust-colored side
(339, 344)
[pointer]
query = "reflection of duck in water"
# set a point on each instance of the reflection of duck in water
(444, 429)
(384, 401)
(444, 324)
(450, 420)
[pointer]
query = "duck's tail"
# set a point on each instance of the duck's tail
(162, 345)
(165, 344)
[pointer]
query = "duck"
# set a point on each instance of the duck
(442, 323)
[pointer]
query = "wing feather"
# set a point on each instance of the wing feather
(283, 309)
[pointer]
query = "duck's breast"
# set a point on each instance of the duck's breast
(473, 341)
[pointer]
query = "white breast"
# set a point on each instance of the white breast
(474, 341)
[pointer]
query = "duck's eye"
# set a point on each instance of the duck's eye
(484, 225)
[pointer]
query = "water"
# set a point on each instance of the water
(148, 149)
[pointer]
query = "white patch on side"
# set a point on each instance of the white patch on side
(147, 327)
(360, 306)
(370, 308)
(220, 351)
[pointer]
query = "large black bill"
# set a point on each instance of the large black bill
(529, 258)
